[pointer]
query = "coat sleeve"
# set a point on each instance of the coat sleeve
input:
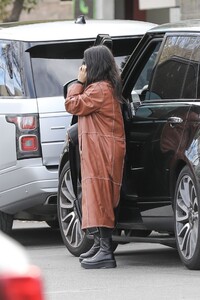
(84, 102)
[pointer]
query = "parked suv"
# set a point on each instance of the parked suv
(160, 196)
(35, 62)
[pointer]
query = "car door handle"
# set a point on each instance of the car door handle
(174, 120)
(57, 127)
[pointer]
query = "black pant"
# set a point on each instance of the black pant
(104, 232)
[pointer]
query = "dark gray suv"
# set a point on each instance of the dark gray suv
(160, 196)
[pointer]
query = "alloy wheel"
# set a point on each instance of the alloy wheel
(70, 224)
(187, 217)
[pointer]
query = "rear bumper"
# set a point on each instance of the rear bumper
(27, 185)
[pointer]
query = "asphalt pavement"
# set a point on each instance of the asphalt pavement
(144, 271)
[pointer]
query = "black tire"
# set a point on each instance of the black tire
(73, 236)
(187, 221)
(6, 222)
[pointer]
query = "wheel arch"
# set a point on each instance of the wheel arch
(175, 173)
(63, 160)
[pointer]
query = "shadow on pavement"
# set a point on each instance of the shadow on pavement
(149, 256)
(37, 236)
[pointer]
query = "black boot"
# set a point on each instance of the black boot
(93, 250)
(104, 258)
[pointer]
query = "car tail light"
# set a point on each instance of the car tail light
(28, 122)
(29, 143)
(27, 135)
(24, 287)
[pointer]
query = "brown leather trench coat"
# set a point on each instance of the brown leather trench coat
(102, 150)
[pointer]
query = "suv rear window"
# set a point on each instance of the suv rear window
(55, 64)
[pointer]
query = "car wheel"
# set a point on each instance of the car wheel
(6, 222)
(187, 223)
(73, 236)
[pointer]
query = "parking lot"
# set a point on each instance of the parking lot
(144, 271)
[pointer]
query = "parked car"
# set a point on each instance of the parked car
(19, 280)
(160, 196)
(35, 62)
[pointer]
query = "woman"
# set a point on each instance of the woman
(96, 99)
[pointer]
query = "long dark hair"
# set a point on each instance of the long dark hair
(101, 66)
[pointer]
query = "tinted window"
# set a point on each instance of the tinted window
(143, 72)
(10, 69)
(55, 64)
(143, 79)
(176, 73)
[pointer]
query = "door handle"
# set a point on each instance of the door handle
(174, 120)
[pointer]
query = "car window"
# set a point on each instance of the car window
(10, 69)
(145, 69)
(55, 64)
(176, 72)
(143, 79)
(51, 74)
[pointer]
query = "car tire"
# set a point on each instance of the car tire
(73, 236)
(187, 221)
(6, 222)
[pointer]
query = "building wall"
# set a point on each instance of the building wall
(190, 9)
(158, 16)
(118, 9)
(58, 9)
(49, 9)
(178, 10)
(105, 9)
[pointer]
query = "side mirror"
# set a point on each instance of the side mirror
(66, 85)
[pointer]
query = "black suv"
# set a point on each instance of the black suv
(160, 197)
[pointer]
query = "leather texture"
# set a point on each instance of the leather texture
(93, 250)
(102, 150)
(104, 258)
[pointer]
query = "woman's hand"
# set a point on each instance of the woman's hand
(82, 74)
